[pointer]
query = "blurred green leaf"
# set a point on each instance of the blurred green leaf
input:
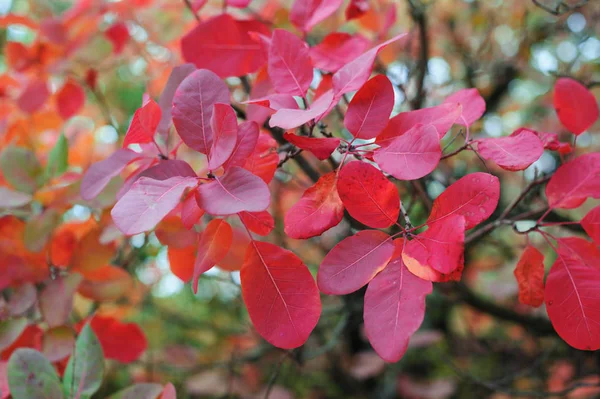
(31, 375)
(85, 370)
(21, 169)
(139, 391)
(58, 159)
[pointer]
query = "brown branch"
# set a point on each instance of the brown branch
(419, 17)
(188, 4)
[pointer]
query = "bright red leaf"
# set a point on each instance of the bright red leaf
(356, 9)
(394, 307)
(193, 108)
(530, 276)
(70, 99)
(513, 152)
(591, 224)
(261, 223)
(143, 124)
(236, 191)
(571, 293)
(370, 108)
(124, 342)
(34, 96)
(574, 182)
(190, 211)
(337, 49)
(264, 159)
(368, 195)
(412, 155)
(281, 295)
(213, 245)
(575, 105)
(223, 124)
(474, 196)
(181, 261)
(118, 34)
(473, 105)
(289, 66)
(319, 209)
(148, 202)
(322, 148)
(354, 261)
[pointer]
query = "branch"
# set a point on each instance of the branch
(418, 16)
(188, 4)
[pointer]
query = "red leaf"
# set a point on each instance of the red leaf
(307, 13)
(473, 105)
(369, 111)
(354, 261)
(394, 307)
(118, 34)
(591, 224)
(223, 124)
(178, 74)
(124, 342)
(337, 49)
(34, 96)
(237, 252)
(355, 73)
(236, 191)
(148, 202)
(322, 148)
(575, 105)
(70, 99)
(56, 299)
(412, 155)
(245, 145)
(291, 118)
(224, 46)
(368, 195)
(512, 152)
(356, 9)
(264, 159)
(261, 223)
(571, 293)
(190, 211)
(549, 140)
(319, 209)
(290, 69)
(213, 245)
(143, 124)
(441, 117)
(474, 196)
(574, 182)
(100, 173)
(440, 247)
(530, 276)
(193, 108)
(281, 296)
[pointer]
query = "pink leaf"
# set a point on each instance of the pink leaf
(369, 111)
(148, 202)
(168, 392)
(238, 3)
(474, 196)
(236, 191)
(190, 211)
(290, 69)
(319, 209)
(34, 96)
(244, 146)
(355, 73)
(337, 49)
(178, 74)
(440, 247)
(213, 245)
(143, 124)
(165, 169)
(193, 108)
(412, 155)
(274, 102)
(223, 124)
(70, 99)
(368, 195)
(574, 182)
(394, 307)
(292, 118)
(591, 224)
(354, 262)
(473, 105)
(307, 13)
(100, 173)
(281, 296)
(322, 148)
(441, 117)
(223, 45)
(575, 105)
(571, 293)
(512, 152)
(261, 223)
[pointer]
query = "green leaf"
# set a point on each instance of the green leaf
(21, 169)
(31, 375)
(10, 330)
(139, 391)
(84, 372)
(58, 159)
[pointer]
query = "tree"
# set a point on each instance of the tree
(339, 182)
